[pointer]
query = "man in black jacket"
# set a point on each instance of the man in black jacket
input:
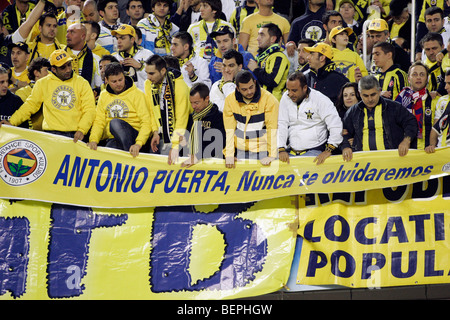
(376, 123)
(207, 132)
(9, 102)
(322, 74)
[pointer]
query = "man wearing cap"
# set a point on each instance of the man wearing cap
(67, 100)
(130, 55)
(308, 122)
(85, 62)
(378, 30)
(225, 41)
(271, 67)
(19, 58)
(322, 75)
(157, 29)
(347, 61)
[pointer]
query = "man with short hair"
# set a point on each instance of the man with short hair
(67, 99)
(109, 11)
(331, 19)
(417, 99)
(85, 62)
(207, 132)
(157, 29)
(303, 64)
(210, 11)
(232, 63)
(322, 74)
(225, 41)
(122, 112)
(19, 58)
(376, 123)
(104, 61)
(250, 118)
(432, 45)
(392, 79)
(90, 11)
(308, 121)
(135, 11)
(193, 67)
(130, 55)
(45, 43)
(71, 15)
(271, 67)
(168, 98)
(92, 32)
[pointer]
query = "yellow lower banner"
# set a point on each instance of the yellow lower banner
(377, 238)
(45, 167)
(51, 251)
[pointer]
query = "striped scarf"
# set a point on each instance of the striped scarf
(165, 99)
(197, 127)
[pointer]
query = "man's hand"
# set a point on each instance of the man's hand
(283, 156)
(78, 136)
(252, 64)
(230, 162)
(134, 150)
(190, 161)
(5, 122)
(218, 66)
(386, 94)
(92, 145)
(347, 154)
(403, 147)
(430, 149)
(130, 62)
(190, 69)
(155, 142)
(173, 156)
(266, 161)
(322, 157)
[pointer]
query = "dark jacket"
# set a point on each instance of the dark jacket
(309, 25)
(8, 105)
(212, 143)
(326, 80)
(398, 123)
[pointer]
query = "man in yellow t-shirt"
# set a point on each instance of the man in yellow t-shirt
(250, 25)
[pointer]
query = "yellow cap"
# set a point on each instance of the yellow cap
(378, 25)
(124, 29)
(322, 48)
(59, 57)
(336, 30)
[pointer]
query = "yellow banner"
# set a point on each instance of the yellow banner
(39, 166)
(197, 252)
(377, 238)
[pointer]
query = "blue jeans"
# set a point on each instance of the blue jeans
(124, 135)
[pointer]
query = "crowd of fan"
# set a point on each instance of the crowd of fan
(231, 79)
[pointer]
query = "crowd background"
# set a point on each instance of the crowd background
(168, 65)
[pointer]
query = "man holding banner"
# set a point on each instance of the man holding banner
(308, 120)
(376, 123)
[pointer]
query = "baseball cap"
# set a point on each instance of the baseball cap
(59, 57)
(21, 45)
(378, 25)
(124, 29)
(346, 1)
(223, 30)
(322, 48)
(336, 30)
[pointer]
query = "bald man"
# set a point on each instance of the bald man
(85, 63)
(90, 11)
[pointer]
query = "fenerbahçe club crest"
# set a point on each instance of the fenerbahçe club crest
(21, 162)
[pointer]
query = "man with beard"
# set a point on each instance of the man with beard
(67, 99)
(308, 120)
(271, 67)
(157, 29)
(45, 43)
